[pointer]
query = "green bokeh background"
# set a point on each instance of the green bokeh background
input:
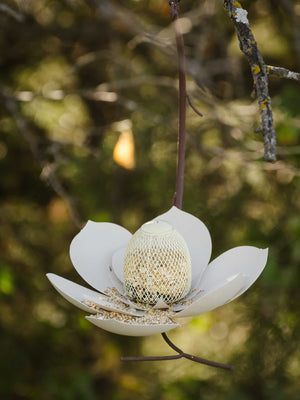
(71, 71)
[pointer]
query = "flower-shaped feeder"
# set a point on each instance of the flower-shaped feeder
(147, 281)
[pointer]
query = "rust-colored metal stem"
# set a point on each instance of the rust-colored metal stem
(181, 105)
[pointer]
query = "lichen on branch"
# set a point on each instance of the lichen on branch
(259, 72)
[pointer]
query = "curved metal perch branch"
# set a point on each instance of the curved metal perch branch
(181, 354)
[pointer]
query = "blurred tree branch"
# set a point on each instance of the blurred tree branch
(260, 71)
(48, 169)
(11, 12)
(290, 10)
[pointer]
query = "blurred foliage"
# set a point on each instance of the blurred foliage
(74, 71)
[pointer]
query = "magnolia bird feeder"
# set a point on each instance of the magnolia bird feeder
(144, 283)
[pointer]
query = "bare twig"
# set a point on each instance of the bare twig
(192, 106)
(249, 47)
(180, 354)
(283, 73)
(48, 170)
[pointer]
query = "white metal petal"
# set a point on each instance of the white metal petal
(115, 282)
(118, 263)
(73, 292)
(108, 305)
(195, 234)
(136, 306)
(246, 260)
(161, 305)
(92, 249)
(130, 329)
(189, 299)
(216, 297)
